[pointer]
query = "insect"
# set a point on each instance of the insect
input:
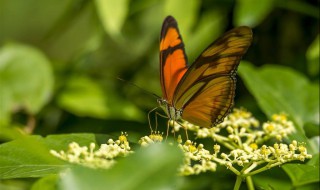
(203, 93)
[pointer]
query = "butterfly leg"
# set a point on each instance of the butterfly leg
(181, 126)
(149, 120)
(171, 123)
(185, 129)
(168, 126)
(156, 118)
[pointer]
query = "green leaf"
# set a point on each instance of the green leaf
(270, 182)
(84, 97)
(314, 143)
(315, 160)
(252, 12)
(158, 162)
(30, 156)
(61, 142)
(27, 157)
(46, 183)
(301, 174)
(313, 57)
(26, 80)
(280, 89)
(10, 133)
(112, 15)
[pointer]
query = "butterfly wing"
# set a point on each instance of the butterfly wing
(173, 60)
(206, 91)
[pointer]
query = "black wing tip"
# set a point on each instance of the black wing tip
(168, 22)
(169, 19)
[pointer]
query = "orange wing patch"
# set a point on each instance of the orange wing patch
(171, 39)
(174, 69)
(173, 60)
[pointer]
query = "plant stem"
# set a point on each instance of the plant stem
(238, 183)
(249, 183)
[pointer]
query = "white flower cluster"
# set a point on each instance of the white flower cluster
(237, 122)
(243, 129)
(155, 137)
(100, 158)
(243, 140)
(196, 159)
(279, 127)
(263, 158)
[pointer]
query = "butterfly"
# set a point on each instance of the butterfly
(203, 93)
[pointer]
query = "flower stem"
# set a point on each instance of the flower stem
(249, 183)
(238, 183)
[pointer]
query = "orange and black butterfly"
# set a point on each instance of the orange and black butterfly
(203, 93)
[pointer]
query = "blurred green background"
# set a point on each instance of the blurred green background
(59, 61)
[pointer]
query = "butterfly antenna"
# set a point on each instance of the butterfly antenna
(144, 90)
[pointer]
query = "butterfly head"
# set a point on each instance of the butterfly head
(171, 111)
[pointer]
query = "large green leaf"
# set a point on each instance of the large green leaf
(154, 167)
(26, 80)
(30, 156)
(302, 174)
(252, 12)
(270, 182)
(280, 89)
(27, 157)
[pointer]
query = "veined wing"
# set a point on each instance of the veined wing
(206, 91)
(173, 60)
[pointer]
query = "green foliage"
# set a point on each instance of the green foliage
(97, 103)
(27, 157)
(302, 174)
(46, 183)
(133, 172)
(272, 182)
(26, 80)
(313, 57)
(251, 12)
(30, 156)
(59, 64)
(278, 89)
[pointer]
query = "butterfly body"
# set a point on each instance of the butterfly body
(202, 93)
(171, 111)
